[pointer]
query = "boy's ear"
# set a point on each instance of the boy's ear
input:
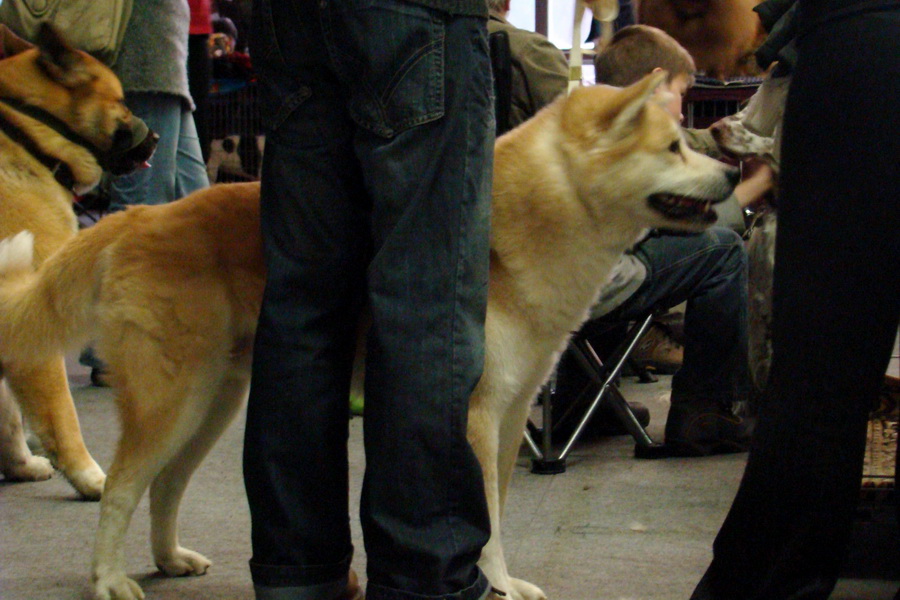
(630, 103)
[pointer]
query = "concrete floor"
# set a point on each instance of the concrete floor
(612, 527)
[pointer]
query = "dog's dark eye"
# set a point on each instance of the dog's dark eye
(675, 147)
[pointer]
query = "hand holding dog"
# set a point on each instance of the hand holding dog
(757, 182)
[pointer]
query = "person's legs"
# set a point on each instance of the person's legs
(836, 310)
(191, 170)
(353, 166)
(708, 271)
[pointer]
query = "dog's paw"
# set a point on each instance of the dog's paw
(183, 562)
(522, 590)
(117, 587)
(88, 482)
(30, 468)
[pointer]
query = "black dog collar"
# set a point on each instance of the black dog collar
(60, 169)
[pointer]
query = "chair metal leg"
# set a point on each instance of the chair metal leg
(645, 447)
(545, 460)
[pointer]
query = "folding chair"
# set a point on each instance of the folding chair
(603, 376)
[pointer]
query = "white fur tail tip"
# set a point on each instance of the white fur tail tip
(17, 253)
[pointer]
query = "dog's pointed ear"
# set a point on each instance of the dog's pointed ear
(10, 43)
(59, 60)
(631, 102)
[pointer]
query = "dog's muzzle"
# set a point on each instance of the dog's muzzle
(132, 148)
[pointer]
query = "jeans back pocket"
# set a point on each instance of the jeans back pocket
(390, 55)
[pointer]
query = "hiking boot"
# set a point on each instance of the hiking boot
(353, 591)
(704, 428)
(657, 351)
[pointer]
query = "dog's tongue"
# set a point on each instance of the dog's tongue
(144, 165)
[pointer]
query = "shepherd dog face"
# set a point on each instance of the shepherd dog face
(73, 105)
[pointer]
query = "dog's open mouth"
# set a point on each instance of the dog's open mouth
(684, 208)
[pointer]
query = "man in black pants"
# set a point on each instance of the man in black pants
(836, 308)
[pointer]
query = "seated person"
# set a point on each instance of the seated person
(707, 270)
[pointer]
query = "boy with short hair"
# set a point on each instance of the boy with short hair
(707, 270)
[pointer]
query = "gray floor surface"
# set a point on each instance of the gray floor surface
(611, 528)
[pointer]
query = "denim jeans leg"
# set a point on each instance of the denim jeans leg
(427, 289)
(295, 452)
(190, 168)
(707, 270)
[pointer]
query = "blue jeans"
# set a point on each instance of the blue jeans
(707, 270)
(177, 166)
(375, 189)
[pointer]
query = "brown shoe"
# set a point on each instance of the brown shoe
(353, 591)
(657, 351)
(696, 427)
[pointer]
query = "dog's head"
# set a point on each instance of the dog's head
(721, 35)
(629, 158)
(72, 105)
(736, 140)
(755, 131)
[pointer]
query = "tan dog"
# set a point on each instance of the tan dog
(171, 293)
(62, 122)
(721, 35)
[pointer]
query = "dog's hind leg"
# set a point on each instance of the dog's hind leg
(17, 463)
(168, 487)
(160, 415)
(43, 393)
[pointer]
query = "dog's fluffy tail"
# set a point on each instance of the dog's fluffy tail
(50, 310)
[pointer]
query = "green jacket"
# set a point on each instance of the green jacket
(540, 71)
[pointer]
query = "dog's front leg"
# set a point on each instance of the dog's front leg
(512, 428)
(483, 433)
(491, 446)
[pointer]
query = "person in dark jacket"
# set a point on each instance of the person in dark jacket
(836, 303)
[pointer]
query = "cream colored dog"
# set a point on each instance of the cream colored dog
(61, 122)
(171, 293)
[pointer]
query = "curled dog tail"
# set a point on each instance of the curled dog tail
(47, 311)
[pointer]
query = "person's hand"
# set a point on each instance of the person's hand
(758, 179)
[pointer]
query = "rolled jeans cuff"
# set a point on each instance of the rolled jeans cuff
(477, 591)
(268, 578)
